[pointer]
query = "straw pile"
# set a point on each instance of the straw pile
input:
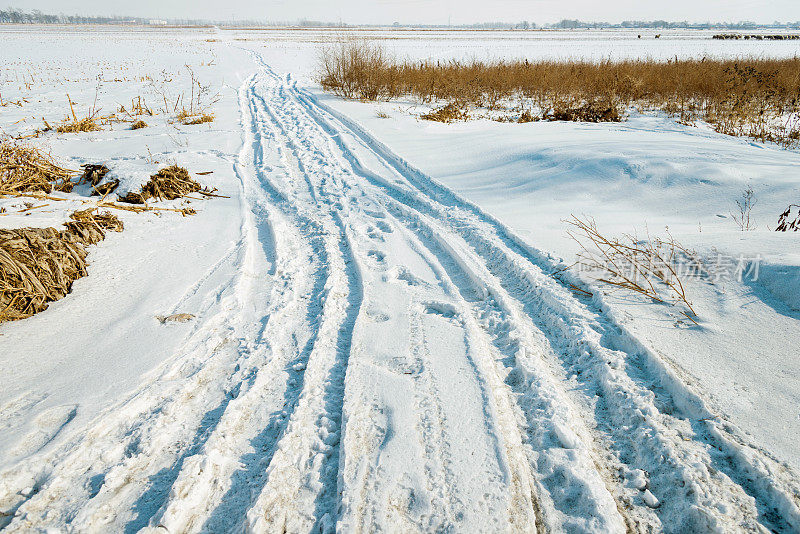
(199, 119)
(596, 110)
(25, 169)
(39, 265)
(93, 174)
(88, 228)
(189, 118)
(87, 124)
(167, 184)
(452, 112)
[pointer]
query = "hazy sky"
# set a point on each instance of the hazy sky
(432, 11)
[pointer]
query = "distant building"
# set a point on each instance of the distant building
(157, 22)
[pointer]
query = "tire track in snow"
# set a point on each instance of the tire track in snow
(318, 161)
(543, 412)
(122, 468)
(693, 493)
(523, 496)
(300, 482)
(229, 472)
(473, 290)
(419, 501)
(399, 469)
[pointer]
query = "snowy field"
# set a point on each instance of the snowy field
(382, 338)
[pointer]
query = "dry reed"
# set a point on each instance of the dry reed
(39, 265)
(756, 97)
(190, 119)
(168, 184)
(86, 124)
(76, 125)
(452, 112)
(25, 169)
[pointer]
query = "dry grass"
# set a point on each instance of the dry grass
(754, 97)
(76, 125)
(168, 184)
(191, 119)
(757, 37)
(789, 220)
(39, 265)
(93, 174)
(452, 112)
(143, 208)
(525, 117)
(28, 172)
(743, 216)
(360, 69)
(138, 125)
(88, 227)
(652, 267)
(86, 124)
(137, 108)
(589, 110)
(193, 110)
(25, 169)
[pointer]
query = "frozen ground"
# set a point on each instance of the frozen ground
(380, 342)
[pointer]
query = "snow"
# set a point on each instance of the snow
(638, 177)
(378, 339)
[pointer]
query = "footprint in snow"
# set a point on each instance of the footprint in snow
(374, 234)
(19, 408)
(402, 275)
(377, 315)
(47, 425)
(383, 226)
(442, 309)
(377, 256)
(375, 214)
(403, 366)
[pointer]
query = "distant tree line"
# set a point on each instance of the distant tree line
(17, 16)
(663, 24)
(574, 24)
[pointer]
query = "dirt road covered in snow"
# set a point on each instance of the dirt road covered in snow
(386, 357)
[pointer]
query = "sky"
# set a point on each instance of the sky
(432, 11)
